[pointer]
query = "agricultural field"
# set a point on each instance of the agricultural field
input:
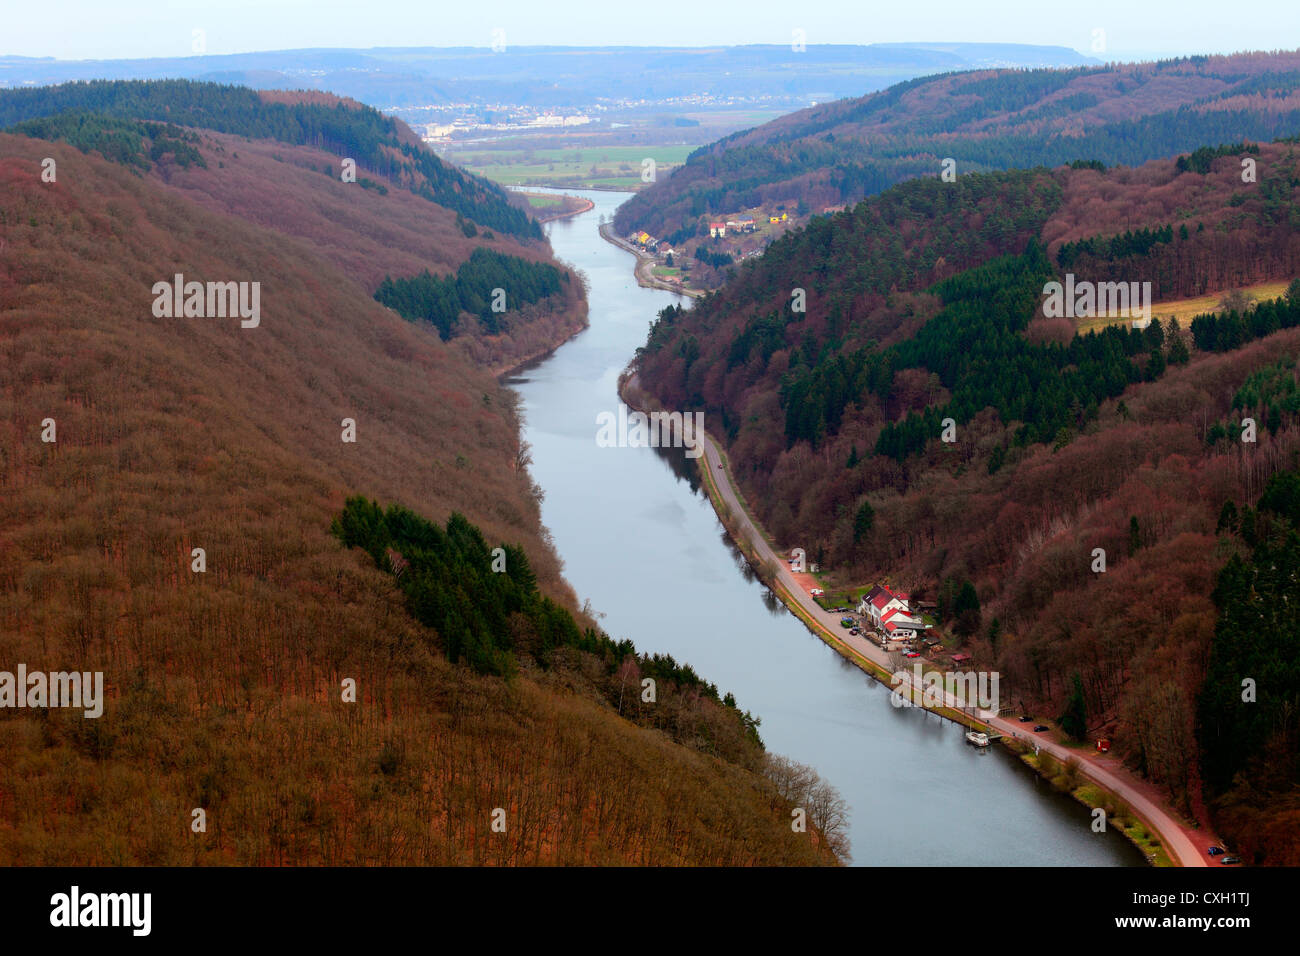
(595, 167)
(1184, 310)
(548, 206)
(544, 201)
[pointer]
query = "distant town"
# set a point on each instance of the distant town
(444, 123)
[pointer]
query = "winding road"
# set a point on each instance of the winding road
(1185, 846)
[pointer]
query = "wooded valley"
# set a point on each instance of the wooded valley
(924, 314)
(174, 531)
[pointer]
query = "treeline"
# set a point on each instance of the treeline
(472, 289)
(856, 179)
(486, 607)
(1200, 160)
(1231, 329)
(1067, 383)
(134, 143)
(1248, 713)
(1271, 396)
(1016, 89)
(351, 130)
(1242, 233)
(1133, 242)
(855, 267)
(841, 258)
(852, 267)
(719, 260)
(976, 347)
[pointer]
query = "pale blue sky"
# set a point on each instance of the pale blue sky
(85, 29)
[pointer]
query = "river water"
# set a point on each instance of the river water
(640, 540)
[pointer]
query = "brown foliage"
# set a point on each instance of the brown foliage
(224, 688)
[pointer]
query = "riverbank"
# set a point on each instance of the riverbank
(643, 270)
(642, 544)
(1108, 785)
(576, 207)
(532, 358)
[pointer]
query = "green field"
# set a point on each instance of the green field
(606, 167)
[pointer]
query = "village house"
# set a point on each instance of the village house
(890, 613)
(717, 229)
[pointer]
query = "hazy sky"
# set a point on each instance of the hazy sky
(91, 29)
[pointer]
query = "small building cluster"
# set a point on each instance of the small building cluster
(719, 228)
(647, 242)
(890, 613)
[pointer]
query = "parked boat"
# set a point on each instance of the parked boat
(977, 738)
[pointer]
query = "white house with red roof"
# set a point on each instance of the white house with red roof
(890, 612)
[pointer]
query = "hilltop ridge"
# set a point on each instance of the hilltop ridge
(842, 151)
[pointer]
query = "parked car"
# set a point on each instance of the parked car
(912, 654)
(1216, 851)
(1026, 719)
(1229, 860)
(846, 622)
(1041, 728)
(855, 630)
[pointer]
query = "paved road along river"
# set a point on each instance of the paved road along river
(641, 541)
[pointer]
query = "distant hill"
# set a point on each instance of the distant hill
(380, 145)
(840, 152)
(896, 401)
(548, 77)
(298, 190)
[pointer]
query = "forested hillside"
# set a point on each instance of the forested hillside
(440, 302)
(1247, 710)
(167, 492)
(385, 147)
(367, 229)
(924, 313)
(842, 151)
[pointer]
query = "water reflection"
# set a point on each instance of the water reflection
(683, 468)
(919, 794)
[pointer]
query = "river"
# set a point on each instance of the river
(640, 540)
